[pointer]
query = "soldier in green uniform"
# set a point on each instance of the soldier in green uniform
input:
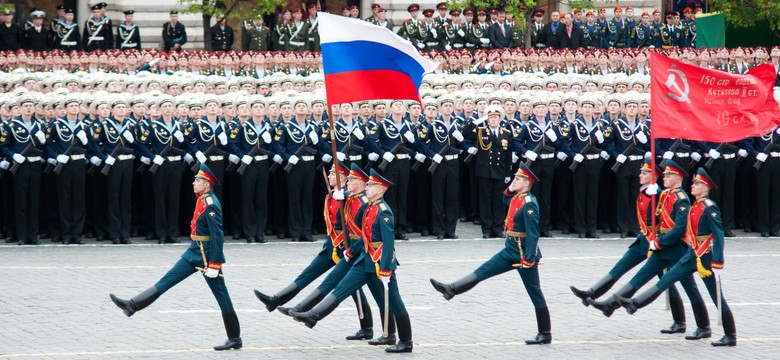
(128, 35)
(204, 254)
(313, 32)
(297, 32)
(255, 36)
(520, 252)
(409, 28)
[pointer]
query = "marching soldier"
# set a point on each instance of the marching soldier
(767, 154)
(174, 34)
(297, 32)
(66, 35)
(255, 36)
(36, 36)
(704, 254)
(376, 267)
(204, 254)
(128, 35)
(221, 35)
(520, 252)
(97, 31)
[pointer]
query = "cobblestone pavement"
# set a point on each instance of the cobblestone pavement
(54, 304)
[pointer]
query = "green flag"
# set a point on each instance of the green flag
(711, 30)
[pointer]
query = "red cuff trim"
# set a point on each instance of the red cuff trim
(508, 193)
(217, 266)
(347, 254)
(716, 265)
(385, 272)
(528, 263)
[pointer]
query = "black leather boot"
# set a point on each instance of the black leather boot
(313, 299)
(703, 330)
(543, 325)
(729, 328)
(281, 298)
(318, 313)
(233, 330)
(366, 331)
(390, 338)
(139, 302)
(601, 287)
(405, 344)
(678, 314)
(458, 287)
(644, 299)
(609, 306)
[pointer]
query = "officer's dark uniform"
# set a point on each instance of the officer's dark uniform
(592, 35)
(97, 35)
(128, 36)
(521, 252)
(536, 34)
(704, 253)
(616, 32)
(37, 39)
(174, 34)
(768, 183)
(120, 178)
(255, 38)
(204, 252)
(642, 36)
(297, 36)
(66, 37)
(313, 35)
(11, 37)
(585, 190)
(625, 135)
(279, 37)
(221, 39)
(291, 137)
(201, 136)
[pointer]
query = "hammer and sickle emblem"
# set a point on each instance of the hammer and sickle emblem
(671, 82)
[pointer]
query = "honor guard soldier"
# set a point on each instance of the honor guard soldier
(479, 31)
(520, 252)
(375, 267)
(410, 27)
(767, 154)
(643, 34)
(97, 31)
(22, 140)
(36, 36)
(313, 32)
(297, 32)
(536, 32)
(350, 139)
(173, 33)
(204, 254)
(221, 35)
(591, 31)
(617, 30)
(255, 36)
(454, 32)
(704, 254)
(66, 35)
(441, 17)
(128, 35)
(68, 145)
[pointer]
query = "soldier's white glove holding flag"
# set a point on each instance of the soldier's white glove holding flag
(652, 189)
(338, 194)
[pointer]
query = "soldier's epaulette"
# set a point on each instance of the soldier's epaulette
(527, 199)
(680, 195)
(709, 202)
(209, 200)
(363, 199)
(383, 207)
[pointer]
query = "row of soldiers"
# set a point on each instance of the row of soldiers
(446, 161)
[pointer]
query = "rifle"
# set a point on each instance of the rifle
(769, 147)
(164, 154)
(255, 150)
(627, 152)
(398, 147)
(114, 154)
(720, 148)
(350, 146)
(213, 149)
(304, 148)
(588, 148)
(73, 149)
(678, 144)
(538, 148)
(447, 149)
(28, 150)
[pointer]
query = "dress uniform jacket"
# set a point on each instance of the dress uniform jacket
(591, 35)
(494, 158)
(173, 34)
(15, 136)
(66, 37)
(409, 29)
(624, 136)
(37, 39)
(537, 35)
(642, 36)
(206, 230)
(344, 139)
(60, 136)
(669, 37)
(255, 38)
(354, 208)
(522, 228)
(297, 36)
(221, 39)
(313, 35)
(617, 33)
(97, 35)
(128, 37)
(379, 239)
(11, 37)
(673, 207)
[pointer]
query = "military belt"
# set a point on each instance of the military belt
(774, 154)
(297, 43)
(216, 158)
(200, 237)
(516, 234)
(125, 157)
(376, 244)
(728, 156)
(312, 39)
(700, 239)
(34, 159)
(77, 157)
(432, 43)
(354, 236)
(174, 158)
(402, 156)
(636, 157)
(451, 157)
(592, 156)
(457, 46)
(261, 157)
(355, 157)
(546, 156)
(307, 158)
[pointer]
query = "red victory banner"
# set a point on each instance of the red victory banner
(696, 103)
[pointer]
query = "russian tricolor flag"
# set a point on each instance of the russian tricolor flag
(363, 61)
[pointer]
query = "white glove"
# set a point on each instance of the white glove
(641, 137)
(128, 136)
(327, 158)
(51, 161)
(266, 137)
(484, 41)
(447, 47)
(62, 158)
(314, 138)
(341, 155)
(234, 159)
(388, 157)
(695, 156)
(562, 156)
(188, 158)
(652, 189)
(472, 150)
(293, 159)
(373, 156)
(621, 158)
(742, 153)
(82, 136)
(246, 159)
(461, 32)
(419, 157)
(435, 33)
(95, 161)
(110, 160)
(201, 157)
(515, 158)
(146, 160)
(761, 157)
(358, 133)
(338, 194)
(551, 135)
(479, 121)
(179, 136)
(4, 165)
(158, 160)
(154, 61)
(531, 155)
(409, 137)
(278, 159)
(668, 155)
(19, 158)
(714, 154)
(599, 136)
(437, 158)
(457, 135)
(604, 155)
(507, 180)
(222, 138)
(648, 155)
(385, 281)
(511, 188)
(41, 137)
(421, 46)
(578, 158)
(211, 273)
(652, 246)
